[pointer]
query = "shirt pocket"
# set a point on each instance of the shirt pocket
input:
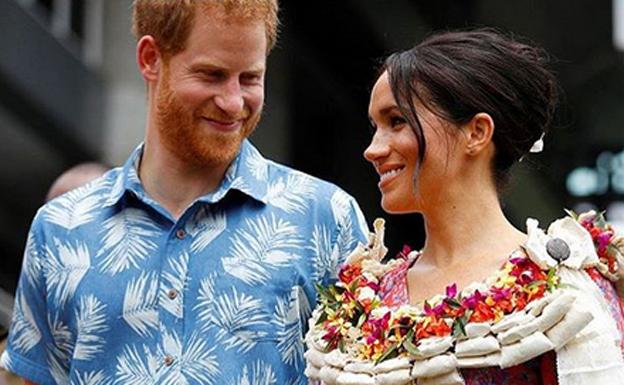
(242, 315)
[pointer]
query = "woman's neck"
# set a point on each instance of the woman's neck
(468, 224)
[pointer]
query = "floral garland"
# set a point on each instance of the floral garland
(351, 316)
(608, 245)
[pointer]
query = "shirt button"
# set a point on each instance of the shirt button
(172, 294)
(180, 233)
(168, 361)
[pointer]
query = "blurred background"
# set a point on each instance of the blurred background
(70, 92)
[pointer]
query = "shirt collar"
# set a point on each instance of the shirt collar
(248, 173)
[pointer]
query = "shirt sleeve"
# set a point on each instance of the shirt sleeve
(351, 229)
(26, 354)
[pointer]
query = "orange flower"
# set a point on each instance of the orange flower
(432, 326)
(481, 313)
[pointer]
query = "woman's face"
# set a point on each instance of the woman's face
(394, 153)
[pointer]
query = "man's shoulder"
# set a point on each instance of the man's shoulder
(279, 173)
(289, 189)
(81, 205)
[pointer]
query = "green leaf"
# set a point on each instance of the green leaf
(459, 327)
(411, 348)
(600, 220)
(361, 320)
(354, 284)
(322, 318)
(409, 345)
(390, 353)
(536, 283)
(572, 214)
(452, 302)
(323, 292)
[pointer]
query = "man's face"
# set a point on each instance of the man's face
(210, 96)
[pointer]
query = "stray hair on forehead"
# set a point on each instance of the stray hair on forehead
(459, 74)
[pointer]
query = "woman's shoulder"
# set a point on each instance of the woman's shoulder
(577, 241)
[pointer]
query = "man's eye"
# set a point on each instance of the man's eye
(250, 79)
(213, 75)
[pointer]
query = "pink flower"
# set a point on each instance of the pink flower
(373, 286)
(404, 253)
(451, 291)
(500, 294)
(604, 239)
(472, 301)
(376, 328)
(434, 311)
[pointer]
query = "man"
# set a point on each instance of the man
(195, 263)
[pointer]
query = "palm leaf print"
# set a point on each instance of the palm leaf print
(236, 315)
(206, 299)
(343, 211)
(289, 315)
(324, 259)
(66, 268)
(75, 208)
(90, 324)
(207, 223)
(32, 264)
(136, 367)
(128, 239)
(58, 369)
(139, 307)
(258, 373)
(91, 378)
(262, 244)
(59, 351)
(291, 194)
(196, 361)
(257, 165)
(296, 381)
(5, 361)
(27, 334)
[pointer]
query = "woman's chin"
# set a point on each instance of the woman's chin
(392, 206)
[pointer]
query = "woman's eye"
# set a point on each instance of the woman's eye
(397, 121)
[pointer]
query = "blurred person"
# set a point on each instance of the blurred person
(195, 262)
(483, 302)
(70, 179)
(75, 177)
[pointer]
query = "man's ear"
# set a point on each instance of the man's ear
(479, 132)
(149, 58)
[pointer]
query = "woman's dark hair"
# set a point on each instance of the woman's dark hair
(459, 74)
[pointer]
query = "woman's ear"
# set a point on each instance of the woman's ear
(478, 132)
(149, 58)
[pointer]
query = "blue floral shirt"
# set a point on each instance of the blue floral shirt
(114, 290)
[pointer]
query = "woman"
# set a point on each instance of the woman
(478, 303)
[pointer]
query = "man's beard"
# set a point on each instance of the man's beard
(182, 134)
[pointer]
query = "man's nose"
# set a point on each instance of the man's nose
(230, 99)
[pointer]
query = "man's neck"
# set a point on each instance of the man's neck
(173, 183)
